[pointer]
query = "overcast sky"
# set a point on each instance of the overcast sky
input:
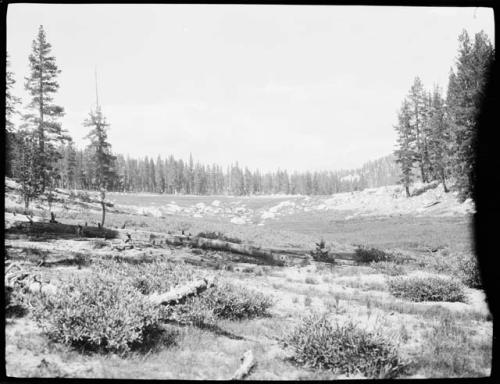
(295, 87)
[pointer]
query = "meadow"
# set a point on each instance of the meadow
(406, 294)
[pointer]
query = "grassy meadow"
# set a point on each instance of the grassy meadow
(291, 317)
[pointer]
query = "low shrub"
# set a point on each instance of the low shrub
(99, 243)
(311, 280)
(82, 260)
(102, 314)
(234, 302)
(343, 349)
(427, 288)
(322, 253)
(215, 235)
(371, 255)
(307, 301)
(469, 272)
(14, 303)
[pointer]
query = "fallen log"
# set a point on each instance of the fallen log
(67, 230)
(271, 255)
(180, 294)
(243, 249)
(247, 363)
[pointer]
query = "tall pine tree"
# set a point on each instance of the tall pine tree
(406, 153)
(43, 117)
(418, 108)
(439, 139)
(465, 94)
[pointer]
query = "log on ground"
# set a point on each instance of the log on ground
(67, 230)
(247, 363)
(179, 294)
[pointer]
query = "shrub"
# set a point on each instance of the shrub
(102, 314)
(321, 253)
(469, 272)
(343, 349)
(230, 301)
(307, 301)
(99, 243)
(218, 236)
(428, 288)
(311, 280)
(370, 255)
(14, 303)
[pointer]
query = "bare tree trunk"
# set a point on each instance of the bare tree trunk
(103, 204)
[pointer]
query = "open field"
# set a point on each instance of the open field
(433, 338)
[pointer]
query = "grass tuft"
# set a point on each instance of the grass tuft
(344, 349)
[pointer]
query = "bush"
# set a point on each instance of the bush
(344, 349)
(428, 288)
(311, 280)
(102, 314)
(321, 253)
(370, 255)
(14, 303)
(218, 236)
(230, 301)
(469, 272)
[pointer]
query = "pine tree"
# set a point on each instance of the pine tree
(439, 138)
(102, 158)
(69, 166)
(465, 93)
(418, 108)
(11, 103)
(406, 154)
(42, 86)
(28, 168)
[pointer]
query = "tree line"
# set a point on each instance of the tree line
(436, 134)
(42, 156)
(176, 176)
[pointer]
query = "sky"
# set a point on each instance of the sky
(290, 87)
